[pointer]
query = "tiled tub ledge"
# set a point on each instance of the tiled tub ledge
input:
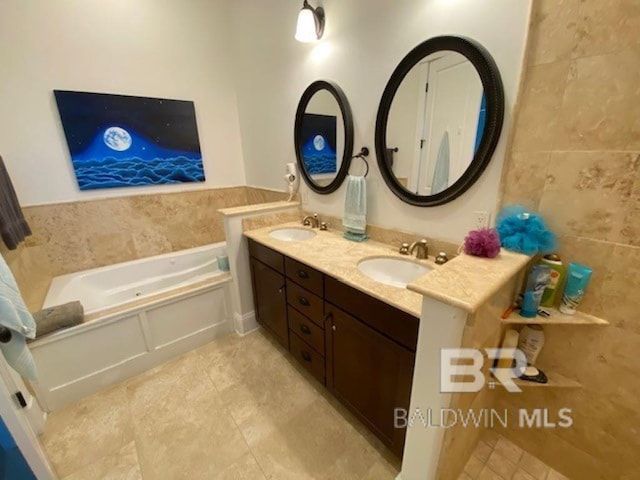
(257, 208)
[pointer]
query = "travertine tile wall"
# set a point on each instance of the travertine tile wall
(482, 331)
(75, 236)
(576, 159)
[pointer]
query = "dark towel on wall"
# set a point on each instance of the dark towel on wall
(13, 226)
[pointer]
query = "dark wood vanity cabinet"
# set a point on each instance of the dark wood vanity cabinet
(269, 297)
(369, 373)
(361, 348)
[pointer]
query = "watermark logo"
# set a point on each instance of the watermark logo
(483, 418)
(461, 369)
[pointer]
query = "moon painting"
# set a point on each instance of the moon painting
(124, 141)
(319, 143)
(117, 139)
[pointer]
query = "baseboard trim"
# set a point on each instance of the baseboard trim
(245, 324)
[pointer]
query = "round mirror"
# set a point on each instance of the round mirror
(323, 136)
(439, 120)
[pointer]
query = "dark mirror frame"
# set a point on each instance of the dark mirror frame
(492, 83)
(347, 120)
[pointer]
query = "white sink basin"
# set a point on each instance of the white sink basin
(293, 234)
(396, 272)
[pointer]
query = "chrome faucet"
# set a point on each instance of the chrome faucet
(421, 246)
(311, 221)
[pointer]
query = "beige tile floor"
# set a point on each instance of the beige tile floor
(496, 458)
(237, 408)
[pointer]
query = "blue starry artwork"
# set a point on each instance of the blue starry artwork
(319, 143)
(124, 141)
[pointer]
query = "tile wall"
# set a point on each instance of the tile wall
(575, 158)
(76, 236)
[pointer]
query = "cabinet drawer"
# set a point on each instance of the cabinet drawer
(304, 275)
(388, 320)
(305, 302)
(267, 256)
(313, 362)
(306, 330)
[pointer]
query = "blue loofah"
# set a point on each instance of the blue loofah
(524, 232)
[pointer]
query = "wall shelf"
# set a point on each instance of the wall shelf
(556, 318)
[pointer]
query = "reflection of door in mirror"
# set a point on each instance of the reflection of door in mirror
(436, 120)
(322, 138)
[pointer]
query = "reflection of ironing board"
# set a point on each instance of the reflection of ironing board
(441, 173)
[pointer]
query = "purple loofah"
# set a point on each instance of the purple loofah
(482, 243)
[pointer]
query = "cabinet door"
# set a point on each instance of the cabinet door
(270, 300)
(369, 373)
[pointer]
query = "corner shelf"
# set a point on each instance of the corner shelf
(556, 318)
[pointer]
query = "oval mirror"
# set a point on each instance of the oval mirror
(323, 136)
(439, 120)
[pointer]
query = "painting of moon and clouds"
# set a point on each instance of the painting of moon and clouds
(319, 143)
(124, 141)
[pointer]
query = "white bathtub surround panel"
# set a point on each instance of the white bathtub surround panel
(104, 288)
(89, 357)
(423, 444)
(244, 318)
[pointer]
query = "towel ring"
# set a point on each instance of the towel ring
(364, 152)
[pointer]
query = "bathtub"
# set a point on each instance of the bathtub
(138, 314)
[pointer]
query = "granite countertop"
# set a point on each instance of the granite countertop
(465, 282)
(333, 255)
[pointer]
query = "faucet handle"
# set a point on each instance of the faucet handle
(442, 258)
(323, 226)
(404, 249)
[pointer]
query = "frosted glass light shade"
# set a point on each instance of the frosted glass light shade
(306, 30)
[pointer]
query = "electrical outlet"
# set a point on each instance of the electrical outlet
(481, 220)
(304, 196)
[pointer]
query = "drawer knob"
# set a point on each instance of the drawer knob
(304, 329)
(303, 301)
(303, 274)
(306, 356)
(281, 289)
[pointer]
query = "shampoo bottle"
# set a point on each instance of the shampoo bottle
(556, 274)
(536, 283)
(578, 277)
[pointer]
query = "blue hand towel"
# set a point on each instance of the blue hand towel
(354, 219)
(15, 316)
(441, 173)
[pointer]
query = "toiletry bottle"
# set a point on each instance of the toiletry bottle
(531, 341)
(536, 283)
(578, 277)
(556, 274)
(510, 341)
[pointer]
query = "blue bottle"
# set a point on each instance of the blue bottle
(536, 283)
(578, 277)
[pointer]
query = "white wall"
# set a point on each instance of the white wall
(364, 41)
(156, 48)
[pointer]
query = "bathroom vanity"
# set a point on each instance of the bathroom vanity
(361, 348)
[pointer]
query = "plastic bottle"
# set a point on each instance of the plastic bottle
(556, 274)
(536, 283)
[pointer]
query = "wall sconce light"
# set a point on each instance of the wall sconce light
(310, 23)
